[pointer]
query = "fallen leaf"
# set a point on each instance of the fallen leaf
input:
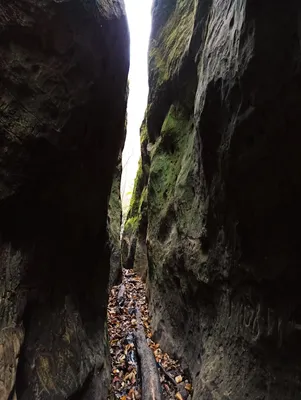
(121, 322)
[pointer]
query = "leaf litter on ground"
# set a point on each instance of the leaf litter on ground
(124, 302)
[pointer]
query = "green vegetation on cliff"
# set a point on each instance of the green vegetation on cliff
(135, 217)
(138, 197)
(114, 225)
(170, 44)
(166, 160)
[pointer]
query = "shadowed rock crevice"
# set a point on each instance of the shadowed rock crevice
(213, 226)
(63, 74)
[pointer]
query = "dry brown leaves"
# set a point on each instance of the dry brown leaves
(122, 323)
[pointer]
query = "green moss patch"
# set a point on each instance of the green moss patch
(167, 162)
(167, 50)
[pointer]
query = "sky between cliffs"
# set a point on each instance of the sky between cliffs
(139, 19)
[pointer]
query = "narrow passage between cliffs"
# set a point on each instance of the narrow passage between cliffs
(130, 340)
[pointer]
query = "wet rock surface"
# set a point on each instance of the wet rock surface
(223, 184)
(63, 73)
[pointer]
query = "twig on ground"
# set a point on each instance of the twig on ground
(167, 374)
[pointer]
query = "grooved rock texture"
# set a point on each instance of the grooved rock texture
(223, 194)
(63, 77)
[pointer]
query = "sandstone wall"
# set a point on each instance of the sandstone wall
(63, 76)
(223, 193)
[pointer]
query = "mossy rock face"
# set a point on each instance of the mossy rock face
(134, 254)
(222, 151)
(133, 226)
(169, 45)
(114, 227)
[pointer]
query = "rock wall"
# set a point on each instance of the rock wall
(223, 193)
(63, 76)
(133, 245)
(114, 227)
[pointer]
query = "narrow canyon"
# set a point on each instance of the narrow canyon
(212, 231)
